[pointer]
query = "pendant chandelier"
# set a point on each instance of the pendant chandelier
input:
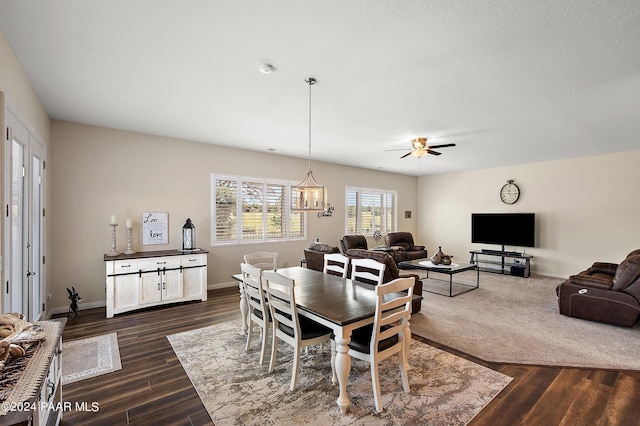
(308, 195)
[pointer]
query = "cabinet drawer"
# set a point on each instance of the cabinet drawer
(159, 262)
(193, 260)
(125, 266)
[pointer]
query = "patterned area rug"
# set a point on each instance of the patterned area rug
(235, 389)
(86, 358)
(516, 320)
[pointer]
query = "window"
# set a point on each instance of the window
(250, 210)
(370, 210)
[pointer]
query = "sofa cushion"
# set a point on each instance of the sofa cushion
(596, 280)
(627, 273)
(314, 255)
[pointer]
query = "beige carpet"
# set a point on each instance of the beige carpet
(90, 357)
(516, 320)
(235, 389)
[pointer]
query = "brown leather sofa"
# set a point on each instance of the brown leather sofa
(391, 271)
(314, 255)
(606, 292)
(406, 249)
(349, 242)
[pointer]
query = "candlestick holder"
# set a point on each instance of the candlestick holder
(113, 251)
(129, 249)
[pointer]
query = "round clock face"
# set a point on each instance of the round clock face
(509, 193)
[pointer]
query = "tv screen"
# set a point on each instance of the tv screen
(508, 229)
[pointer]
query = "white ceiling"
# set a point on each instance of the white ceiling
(509, 82)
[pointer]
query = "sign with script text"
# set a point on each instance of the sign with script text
(155, 228)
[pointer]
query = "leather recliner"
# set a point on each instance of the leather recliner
(355, 241)
(391, 271)
(606, 292)
(406, 249)
(314, 255)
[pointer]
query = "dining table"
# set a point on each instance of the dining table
(340, 304)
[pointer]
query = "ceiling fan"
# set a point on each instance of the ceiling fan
(420, 148)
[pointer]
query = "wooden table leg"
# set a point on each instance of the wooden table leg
(343, 366)
(244, 310)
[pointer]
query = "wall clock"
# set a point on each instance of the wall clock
(510, 192)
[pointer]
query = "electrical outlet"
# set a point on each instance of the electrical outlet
(49, 296)
(284, 264)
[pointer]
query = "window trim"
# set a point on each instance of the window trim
(375, 193)
(287, 212)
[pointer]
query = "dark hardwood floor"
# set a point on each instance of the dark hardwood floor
(152, 387)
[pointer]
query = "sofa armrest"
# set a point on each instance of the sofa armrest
(604, 268)
(415, 248)
(590, 281)
(417, 291)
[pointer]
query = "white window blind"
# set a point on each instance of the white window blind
(247, 210)
(370, 210)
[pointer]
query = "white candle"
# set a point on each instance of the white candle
(129, 223)
(113, 219)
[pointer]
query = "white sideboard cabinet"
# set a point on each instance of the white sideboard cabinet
(152, 278)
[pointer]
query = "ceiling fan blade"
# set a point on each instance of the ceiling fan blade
(398, 149)
(407, 154)
(444, 145)
(433, 152)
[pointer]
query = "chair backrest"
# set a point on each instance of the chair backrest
(393, 310)
(253, 290)
(282, 301)
(262, 259)
(367, 270)
(336, 264)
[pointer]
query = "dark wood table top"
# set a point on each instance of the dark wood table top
(340, 301)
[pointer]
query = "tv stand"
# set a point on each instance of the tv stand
(511, 263)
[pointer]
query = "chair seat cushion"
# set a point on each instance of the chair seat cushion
(361, 340)
(309, 329)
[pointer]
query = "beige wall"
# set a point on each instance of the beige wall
(97, 172)
(586, 209)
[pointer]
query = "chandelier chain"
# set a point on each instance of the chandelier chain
(311, 81)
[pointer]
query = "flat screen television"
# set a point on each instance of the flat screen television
(506, 229)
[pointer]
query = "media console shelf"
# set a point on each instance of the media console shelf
(511, 263)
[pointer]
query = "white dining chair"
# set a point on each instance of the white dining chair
(367, 270)
(336, 264)
(299, 332)
(388, 335)
(262, 259)
(258, 307)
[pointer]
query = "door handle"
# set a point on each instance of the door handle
(30, 274)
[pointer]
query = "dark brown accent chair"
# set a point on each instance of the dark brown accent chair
(606, 292)
(406, 249)
(391, 271)
(349, 242)
(314, 255)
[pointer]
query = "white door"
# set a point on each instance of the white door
(23, 218)
(35, 242)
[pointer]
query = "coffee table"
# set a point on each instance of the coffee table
(450, 270)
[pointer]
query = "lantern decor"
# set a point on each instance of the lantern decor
(308, 195)
(188, 236)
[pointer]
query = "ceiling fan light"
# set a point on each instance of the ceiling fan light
(419, 143)
(419, 153)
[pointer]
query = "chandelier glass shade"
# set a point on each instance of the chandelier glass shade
(308, 195)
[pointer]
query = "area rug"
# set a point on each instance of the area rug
(235, 389)
(516, 320)
(90, 357)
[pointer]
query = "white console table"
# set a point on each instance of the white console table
(151, 278)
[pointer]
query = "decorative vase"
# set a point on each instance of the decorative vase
(446, 259)
(436, 259)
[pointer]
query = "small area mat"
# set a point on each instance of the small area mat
(90, 357)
